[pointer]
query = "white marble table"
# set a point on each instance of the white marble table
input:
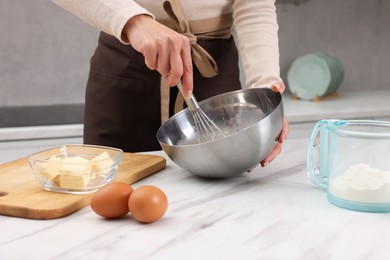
(347, 105)
(271, 213)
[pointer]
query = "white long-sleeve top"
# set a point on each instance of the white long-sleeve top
(255, 26)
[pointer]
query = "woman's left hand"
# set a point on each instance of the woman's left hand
(277, 87)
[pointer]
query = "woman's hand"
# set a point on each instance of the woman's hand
(277, 87)
(164, 50)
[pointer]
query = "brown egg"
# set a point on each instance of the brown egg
(148, 204)
(111, 201)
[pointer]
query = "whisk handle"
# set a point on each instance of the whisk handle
(191, 101)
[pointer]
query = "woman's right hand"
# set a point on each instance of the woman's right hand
(164, 50)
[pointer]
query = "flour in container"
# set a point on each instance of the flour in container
(362, 183)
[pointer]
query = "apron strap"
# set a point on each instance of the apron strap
(164, 100)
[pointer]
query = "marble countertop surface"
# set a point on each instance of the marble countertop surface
(273, 212)
(346, 105)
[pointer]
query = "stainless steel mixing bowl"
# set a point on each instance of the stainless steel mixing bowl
(251, 120)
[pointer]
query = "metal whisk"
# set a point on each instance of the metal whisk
(205, 128)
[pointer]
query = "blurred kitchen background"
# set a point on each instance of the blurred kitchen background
(45, 53)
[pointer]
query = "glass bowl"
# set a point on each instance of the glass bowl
(75, 168)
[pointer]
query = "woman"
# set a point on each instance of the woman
(145, 47)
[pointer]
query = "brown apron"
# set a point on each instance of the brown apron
(123, 97)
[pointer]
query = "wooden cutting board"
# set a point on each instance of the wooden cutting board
(21, 195)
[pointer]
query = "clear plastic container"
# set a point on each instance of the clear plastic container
(351, 161)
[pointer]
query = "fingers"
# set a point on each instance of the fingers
(175, 69)
(278, 147)
(188, 83)
(272, 155)
(164, 50)
(164, 56)
(150, 54)
(285, 130)
(278, 87)
(174, 62)
(180, 64)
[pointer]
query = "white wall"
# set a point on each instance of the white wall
(44, 54)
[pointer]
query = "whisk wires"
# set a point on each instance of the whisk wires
(205, 128)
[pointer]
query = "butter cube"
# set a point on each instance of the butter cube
(74, 181)
(74, 159)
(102, 164)
(75, 175)
(45, 171)
(78, 165)
(50, 169)
(56, 181)
(55, 164)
